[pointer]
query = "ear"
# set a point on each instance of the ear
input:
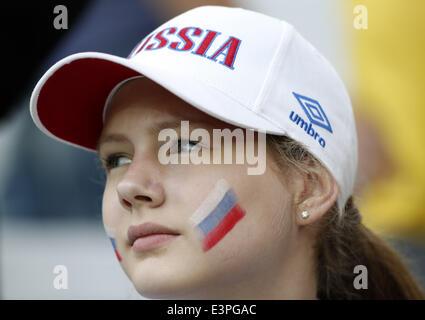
(316, 194)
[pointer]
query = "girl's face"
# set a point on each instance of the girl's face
(247, 261)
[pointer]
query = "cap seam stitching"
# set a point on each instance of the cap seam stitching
(243, 105)
(275, 63)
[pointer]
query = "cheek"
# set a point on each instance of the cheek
(252, 241)
(111, 218)
(240, 218)
(265, 230)
(217, 215)
(261, 241)
(110, 208)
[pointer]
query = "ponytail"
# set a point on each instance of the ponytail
(345, 243)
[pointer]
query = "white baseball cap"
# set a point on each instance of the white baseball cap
(239, 66)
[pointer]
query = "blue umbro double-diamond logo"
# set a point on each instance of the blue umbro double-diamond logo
(314, 111)
(315, 114)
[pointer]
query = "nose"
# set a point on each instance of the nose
(138, 188)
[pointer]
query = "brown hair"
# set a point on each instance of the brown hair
(343, 242)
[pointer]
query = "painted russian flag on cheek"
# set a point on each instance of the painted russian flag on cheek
(217, 215)
(115, 248)
(111, 235)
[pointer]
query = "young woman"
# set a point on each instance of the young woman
(185, 222)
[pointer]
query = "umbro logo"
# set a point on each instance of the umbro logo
(314, 111)
(315, 114)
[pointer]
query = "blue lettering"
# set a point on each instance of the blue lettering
(307, 127)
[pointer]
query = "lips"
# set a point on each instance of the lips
(147, 229)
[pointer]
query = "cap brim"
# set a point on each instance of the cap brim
(67, 103)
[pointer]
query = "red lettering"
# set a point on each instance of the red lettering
(188, 43)
(232, 47)
(162, 41)
(203, 47)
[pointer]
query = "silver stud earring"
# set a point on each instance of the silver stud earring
(305, 214)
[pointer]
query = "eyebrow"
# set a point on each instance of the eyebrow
(171, 124)
(154, 129)
(111, 138)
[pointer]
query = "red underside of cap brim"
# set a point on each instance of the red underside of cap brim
(71, 101)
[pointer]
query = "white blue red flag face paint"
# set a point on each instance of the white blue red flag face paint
(217, 215)
(111, 235)
(115, 248)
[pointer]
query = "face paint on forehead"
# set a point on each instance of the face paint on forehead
(111, 235)
(217, 215)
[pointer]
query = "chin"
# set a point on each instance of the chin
(163, 290)
(166, 286)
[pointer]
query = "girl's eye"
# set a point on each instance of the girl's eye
(185, 145)
(113, 161)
